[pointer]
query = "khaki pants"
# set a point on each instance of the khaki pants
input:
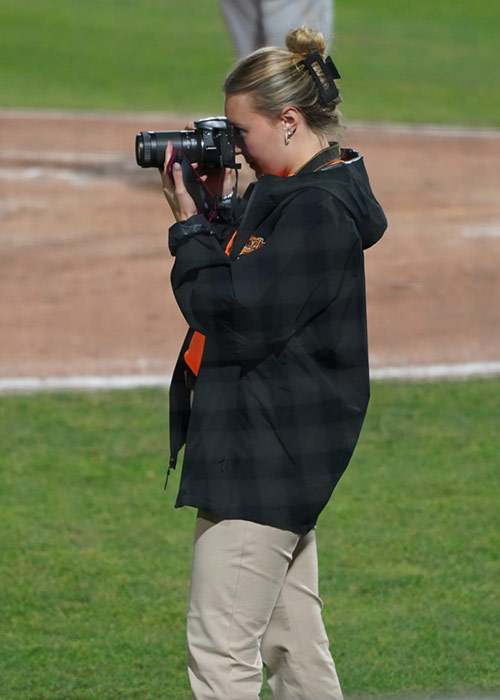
(254, 601)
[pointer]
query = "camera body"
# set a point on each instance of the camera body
(210, 144)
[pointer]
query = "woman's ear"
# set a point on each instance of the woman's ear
(290, 117)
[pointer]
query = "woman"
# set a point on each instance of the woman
(277, 355)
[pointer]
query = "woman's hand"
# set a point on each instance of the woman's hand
(180, 201)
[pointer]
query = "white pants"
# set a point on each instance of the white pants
(256, 23)
(253, 601)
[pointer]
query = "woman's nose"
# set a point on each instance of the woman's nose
(237, 150)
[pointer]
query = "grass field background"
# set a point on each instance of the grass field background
(95, 560)
(431, 61)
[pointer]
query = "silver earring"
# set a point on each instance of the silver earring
(288, 136)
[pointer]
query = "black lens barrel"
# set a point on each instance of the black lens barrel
(150, 146)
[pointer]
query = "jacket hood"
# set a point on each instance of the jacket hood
(347, 181)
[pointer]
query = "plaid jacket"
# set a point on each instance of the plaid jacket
(283, 385)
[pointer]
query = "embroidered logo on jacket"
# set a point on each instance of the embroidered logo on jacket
(253, 243)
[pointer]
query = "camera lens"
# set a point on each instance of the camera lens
(148, 149)
(150, 146)
(143, 149)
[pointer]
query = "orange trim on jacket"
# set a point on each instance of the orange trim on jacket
(194, 353)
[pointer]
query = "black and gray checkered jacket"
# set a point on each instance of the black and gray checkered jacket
(283, 386)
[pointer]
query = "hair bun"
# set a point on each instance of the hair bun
(303, 41)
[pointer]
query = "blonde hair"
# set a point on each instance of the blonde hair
(276, 78)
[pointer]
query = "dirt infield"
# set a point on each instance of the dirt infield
(85, 269)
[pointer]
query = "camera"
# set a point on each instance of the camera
(210, 144)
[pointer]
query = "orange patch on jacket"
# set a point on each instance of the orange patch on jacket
(253, 243)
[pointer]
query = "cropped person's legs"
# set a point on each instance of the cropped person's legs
(256, 23)
(295, 646)
(243, 19)
(238, 572)
(281, 16)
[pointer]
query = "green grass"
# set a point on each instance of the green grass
(431, 61)
(113, 54)
(95, 561)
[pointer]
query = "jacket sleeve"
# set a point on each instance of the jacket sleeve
(253, 305)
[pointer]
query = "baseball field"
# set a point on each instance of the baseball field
(95, 561)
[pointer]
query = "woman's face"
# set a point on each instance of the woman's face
(259, 139)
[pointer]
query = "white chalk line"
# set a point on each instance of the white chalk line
(33, 385)
(482, 231)
(78, 168)
(463, 370)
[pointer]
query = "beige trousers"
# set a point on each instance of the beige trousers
(253, 602)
